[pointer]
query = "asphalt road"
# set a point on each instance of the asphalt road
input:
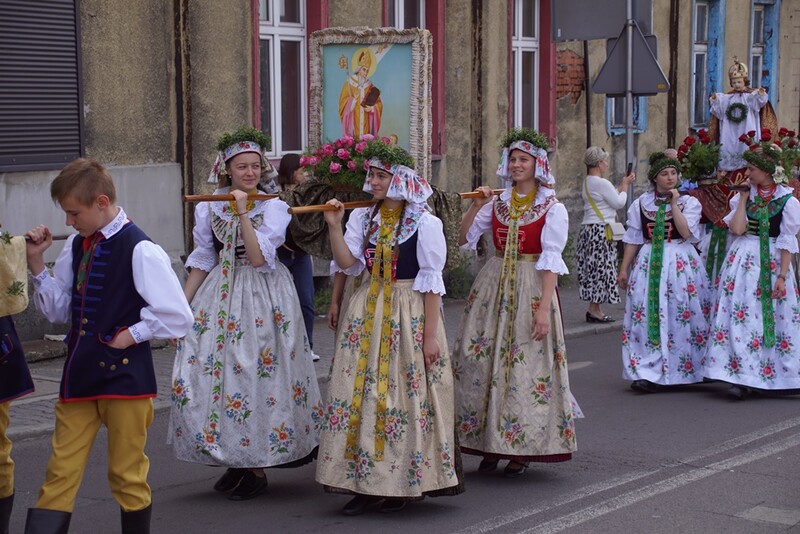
(684, 461)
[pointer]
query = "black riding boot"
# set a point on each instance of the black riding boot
(42, 521)
(137, 522)
(6, 504)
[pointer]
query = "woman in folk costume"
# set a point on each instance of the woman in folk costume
(753, 341)
(244, 386)
(512, 387)
(15, 378)
(667, 306)
(387, 426)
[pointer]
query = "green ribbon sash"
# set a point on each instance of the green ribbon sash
(716, 251)
(654, 277)
(765, 275)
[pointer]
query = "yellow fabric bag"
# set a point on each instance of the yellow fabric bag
(13, 275)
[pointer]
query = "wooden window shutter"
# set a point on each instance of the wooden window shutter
(40, 92)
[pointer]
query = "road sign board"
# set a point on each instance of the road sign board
(592, 19)
(648, 78)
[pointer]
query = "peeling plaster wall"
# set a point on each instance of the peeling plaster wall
(221, 67)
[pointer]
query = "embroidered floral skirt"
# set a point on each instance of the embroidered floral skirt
(420, 455)
(684, 308)
(736, 351)
(597, 265)
(244, 386)
(513, 401)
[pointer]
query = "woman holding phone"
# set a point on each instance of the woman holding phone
(667, 306)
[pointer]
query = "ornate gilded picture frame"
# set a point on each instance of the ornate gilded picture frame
(372, 81)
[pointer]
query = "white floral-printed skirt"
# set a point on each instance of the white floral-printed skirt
(514, 404)
(244, 387)
(419, 451)
(684, 308)
(736, 351)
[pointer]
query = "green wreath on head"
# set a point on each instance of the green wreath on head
(244, 134)
(736, 112)
(535, 138)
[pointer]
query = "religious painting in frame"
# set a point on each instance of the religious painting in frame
(372, 81)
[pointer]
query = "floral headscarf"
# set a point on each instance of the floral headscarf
(241, 141)
(405, 185)
(542, 169)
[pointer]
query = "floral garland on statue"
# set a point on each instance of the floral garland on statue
(736, 112)
(340, 163)
(699, 157)
(790, 145)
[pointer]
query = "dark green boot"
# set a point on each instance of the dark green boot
(42, 521)
(6, 504)
(137, 522)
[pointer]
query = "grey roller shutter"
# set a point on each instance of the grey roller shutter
(40, 93)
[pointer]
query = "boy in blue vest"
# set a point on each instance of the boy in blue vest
(15, 379)
(120, 291)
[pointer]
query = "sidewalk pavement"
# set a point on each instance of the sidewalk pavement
(32, 415)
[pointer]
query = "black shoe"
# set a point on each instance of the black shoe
(6, 505)
(645, 386)
(739, 392)
(604, 319)
(250, 486)
(392, 505)
(230, 479)
(43, 521)
(137, 522)
(488, 464)
(359, 504)
(514, 471)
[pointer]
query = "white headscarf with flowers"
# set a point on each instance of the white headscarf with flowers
(234, 150)
(541, 171)
(405, 185)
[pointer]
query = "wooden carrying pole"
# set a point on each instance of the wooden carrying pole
(215, 198)
(317, 208)
(56, 237)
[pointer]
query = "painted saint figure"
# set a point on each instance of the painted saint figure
(360, 105)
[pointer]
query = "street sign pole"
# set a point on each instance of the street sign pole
(629, 155)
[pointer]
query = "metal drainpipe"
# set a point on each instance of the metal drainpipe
(477, 103)
(183, 105)
(587, 94)
(672, 96)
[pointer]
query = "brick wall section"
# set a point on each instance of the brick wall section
(569, 75)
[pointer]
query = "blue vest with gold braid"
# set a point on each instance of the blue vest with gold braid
(15, 379)
(106, 304)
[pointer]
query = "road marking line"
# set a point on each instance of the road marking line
(522, 513)
(501, 520)
(669, 484)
